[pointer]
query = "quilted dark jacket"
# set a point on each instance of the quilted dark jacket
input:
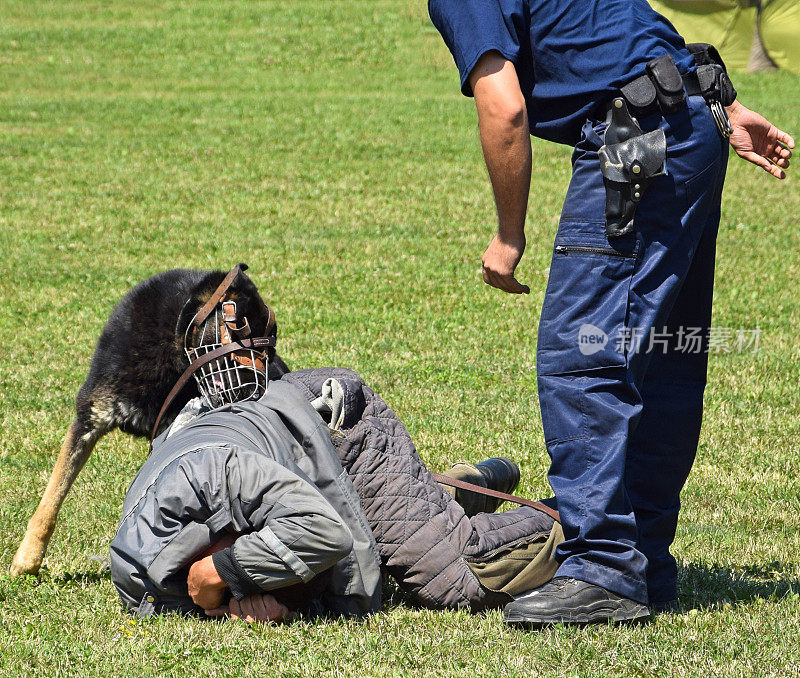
(423, 536)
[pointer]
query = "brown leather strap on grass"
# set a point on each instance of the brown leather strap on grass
(461, 485)
(211, 304)
(244, 344)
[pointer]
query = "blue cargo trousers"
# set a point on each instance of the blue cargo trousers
(622, 357)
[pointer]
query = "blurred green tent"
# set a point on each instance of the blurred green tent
(750, 34)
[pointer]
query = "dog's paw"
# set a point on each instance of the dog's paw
(26, 561)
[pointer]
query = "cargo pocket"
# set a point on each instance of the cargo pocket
(698, 195)
(583, 325)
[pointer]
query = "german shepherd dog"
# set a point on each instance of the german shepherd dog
(139, 358)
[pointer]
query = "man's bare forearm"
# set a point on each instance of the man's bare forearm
(507, 152)
(505, 138)
(503, 122)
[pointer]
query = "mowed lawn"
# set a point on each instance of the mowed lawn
(326, 144)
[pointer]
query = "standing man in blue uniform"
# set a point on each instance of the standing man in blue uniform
(650, 120)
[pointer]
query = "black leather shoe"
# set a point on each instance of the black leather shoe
(501, 474)
(497, 473)
(564, 600)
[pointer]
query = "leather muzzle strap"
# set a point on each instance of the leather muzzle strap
(244, 344)
(461, 485)
(211, 304)
(270, 321)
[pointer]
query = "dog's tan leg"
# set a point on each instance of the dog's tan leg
(74, 453)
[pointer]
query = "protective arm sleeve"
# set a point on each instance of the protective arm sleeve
(297, 533)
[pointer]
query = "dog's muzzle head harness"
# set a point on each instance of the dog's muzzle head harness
(228, 364)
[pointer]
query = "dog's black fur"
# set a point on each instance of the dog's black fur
(139, 358)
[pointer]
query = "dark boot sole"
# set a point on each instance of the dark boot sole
(633, 614)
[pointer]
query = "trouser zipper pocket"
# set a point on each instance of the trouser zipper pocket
(584, 249)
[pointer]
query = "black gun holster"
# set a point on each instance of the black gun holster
(629, 161)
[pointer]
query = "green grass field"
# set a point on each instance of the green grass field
(326, 144)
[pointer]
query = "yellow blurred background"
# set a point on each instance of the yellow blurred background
(751, 35)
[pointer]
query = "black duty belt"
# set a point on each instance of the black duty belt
(642, 97)
(663, 89)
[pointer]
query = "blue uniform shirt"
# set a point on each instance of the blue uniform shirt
(571, 56)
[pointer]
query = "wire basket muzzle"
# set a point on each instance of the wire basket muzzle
(230, 378)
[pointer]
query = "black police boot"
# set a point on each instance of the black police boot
(564, 600)
(497, 473)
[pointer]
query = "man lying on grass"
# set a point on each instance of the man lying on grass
(295, 499)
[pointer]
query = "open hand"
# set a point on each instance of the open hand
(500, 261)
(260, 607)
(758, 141)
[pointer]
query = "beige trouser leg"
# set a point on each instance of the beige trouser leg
(520, 567)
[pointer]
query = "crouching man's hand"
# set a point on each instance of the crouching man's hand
(205, 585)
(260, 607)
